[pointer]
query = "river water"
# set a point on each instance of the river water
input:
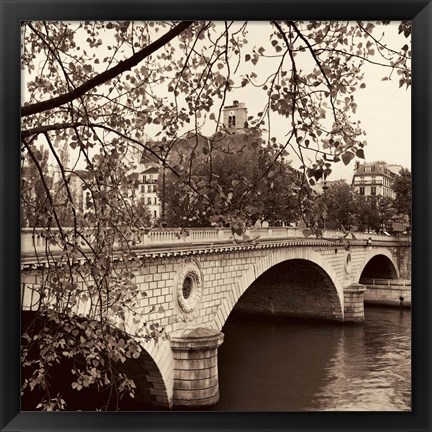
(268, 364)
(289, 364)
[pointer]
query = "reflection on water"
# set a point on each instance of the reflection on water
(304, 365)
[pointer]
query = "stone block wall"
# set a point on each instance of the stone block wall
(226, 275)
(354, 304)
(196, 381)
(403, 258)
(388, 295)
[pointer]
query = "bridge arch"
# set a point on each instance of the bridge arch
(377, 263)
(154, 368)
(269, 261)
(149, 372)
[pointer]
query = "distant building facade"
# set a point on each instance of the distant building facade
(141, 189)
(235, 117)
(148, 184)
(376, 178)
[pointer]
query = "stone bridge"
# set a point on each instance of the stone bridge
(194, 282)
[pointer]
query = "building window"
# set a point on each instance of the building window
(155, 214)
(148, 188)
(148, 201)
(88, 200)
(144, 178)
(142, 189)
(154, 188)
(362, 190)
(373, 190)
(231, 120)
(155, 201)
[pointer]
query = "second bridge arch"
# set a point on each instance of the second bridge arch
(296, 287)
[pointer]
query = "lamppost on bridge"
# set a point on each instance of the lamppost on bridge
(163, 212)
(163, 222)
(324, 213)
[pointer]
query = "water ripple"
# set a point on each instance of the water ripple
(265, 366)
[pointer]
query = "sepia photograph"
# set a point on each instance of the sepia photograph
(216, 216)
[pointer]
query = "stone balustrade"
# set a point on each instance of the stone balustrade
(32, 240)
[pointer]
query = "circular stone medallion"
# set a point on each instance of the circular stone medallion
(187, 286)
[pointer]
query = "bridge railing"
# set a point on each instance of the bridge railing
(388, 282)
(32, 240)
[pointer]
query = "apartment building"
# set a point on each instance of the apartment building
(375, 178)
(148, 193)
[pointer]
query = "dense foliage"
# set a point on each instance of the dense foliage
(232, 176)
(403, 189)
(347, 210)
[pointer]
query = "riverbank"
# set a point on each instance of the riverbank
(388, 293)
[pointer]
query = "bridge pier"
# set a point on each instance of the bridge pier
(196, 381)
(354, 303)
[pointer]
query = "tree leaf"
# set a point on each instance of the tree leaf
(307, 232)
(347, 157)
(360, 153)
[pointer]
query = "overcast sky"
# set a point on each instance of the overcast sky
(385, 112)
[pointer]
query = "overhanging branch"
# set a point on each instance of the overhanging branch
(107, 75)
(46, 128)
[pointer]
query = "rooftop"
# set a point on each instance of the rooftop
(368, 169)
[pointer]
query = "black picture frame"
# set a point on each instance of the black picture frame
(12, 12)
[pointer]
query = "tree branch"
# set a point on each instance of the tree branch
(107, 75)
(46, 128)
